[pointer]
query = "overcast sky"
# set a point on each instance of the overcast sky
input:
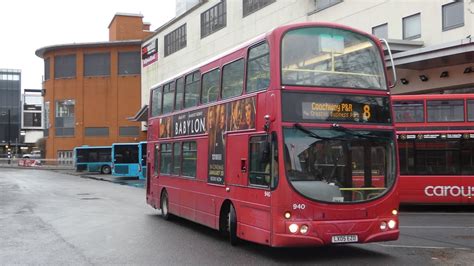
(29, 25)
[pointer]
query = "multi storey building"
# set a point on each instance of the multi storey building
(431, 39)
(31, 119)
(90, 89)
(10, 90)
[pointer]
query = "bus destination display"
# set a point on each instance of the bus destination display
(305, 107)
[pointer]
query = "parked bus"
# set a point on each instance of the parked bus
(436, 148)
(93, 159)
(129, 159)
(287, 140)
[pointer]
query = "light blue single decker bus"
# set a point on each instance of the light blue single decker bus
(129, 159)
(93, 159)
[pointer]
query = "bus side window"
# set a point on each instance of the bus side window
(260, 162)
(191, 90)
(233, 79)
(210, 86)
(178, 105)
(274, 161)
(258, 68)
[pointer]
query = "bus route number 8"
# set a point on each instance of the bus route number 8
(366, 114)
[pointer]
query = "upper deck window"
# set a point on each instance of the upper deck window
(328, 57)
(408, 111)
(168, 97)
(445, 111)
(156, 98)
(258, 68)
(233, 79)
(210, 86)
(191, 90)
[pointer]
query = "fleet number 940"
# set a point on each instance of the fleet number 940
(299, 206)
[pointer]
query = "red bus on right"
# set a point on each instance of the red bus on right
(435, 135)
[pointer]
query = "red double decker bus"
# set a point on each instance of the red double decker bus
(436, 148)
(287, 140)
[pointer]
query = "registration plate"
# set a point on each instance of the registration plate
(344, 239)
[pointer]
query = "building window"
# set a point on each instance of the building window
(213, 19)
(165, 159)
(191, 89)
(210, 86)
(129, 63)
(168, 97)
(156, 97)
(65, 119)
(65, 66)
(175, 40)
(46, 68)
(453, 15)
(32, 119)
(189, 159)
(97, 64)
(259, 170)
(250, 6)
(46, 119)
(258, 68)
(129, 131)
(97, 131)
(381, 31)
(65, 157)
(323, 4)
(233, 79)
(412, 27)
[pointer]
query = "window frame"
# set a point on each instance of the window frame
(161, 157)
(263, 141)
(182, 158)
(251, 6)
(443, 18)
(152, 103)
(107, 57)
(175, 40)
(378, 27)
(212, 25)
(249, 60)
(404, 19)
(60, 66)
(219, 79)
(326, 6)
(221, 93)
(450, 105)
(193, 81)
(121, 70)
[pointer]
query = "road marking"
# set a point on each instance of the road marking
(420, 247)
(437, 227)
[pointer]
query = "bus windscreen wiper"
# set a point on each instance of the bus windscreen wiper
(312, 134)
(352, 132)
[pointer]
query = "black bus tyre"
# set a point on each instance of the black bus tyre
(232, 226)
(105, 170)
(164, 206)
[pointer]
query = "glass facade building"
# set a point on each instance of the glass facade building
(10, 93)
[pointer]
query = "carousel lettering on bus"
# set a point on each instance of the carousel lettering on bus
(449, 191)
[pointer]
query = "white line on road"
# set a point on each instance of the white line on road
(420, 247)
(437, 227)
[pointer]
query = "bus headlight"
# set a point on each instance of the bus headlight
(383, 226)
(287, 215)
(293, 228)
(392, 224)
(304, 229)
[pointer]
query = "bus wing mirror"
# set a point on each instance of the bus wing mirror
(394, 83)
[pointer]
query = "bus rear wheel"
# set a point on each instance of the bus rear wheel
(164, 206)
(232, 225)
(105, 170)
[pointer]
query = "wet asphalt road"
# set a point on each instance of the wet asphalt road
(53, 218)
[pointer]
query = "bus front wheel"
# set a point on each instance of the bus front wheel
(164, 206)
(105, 170)
(232, 225)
